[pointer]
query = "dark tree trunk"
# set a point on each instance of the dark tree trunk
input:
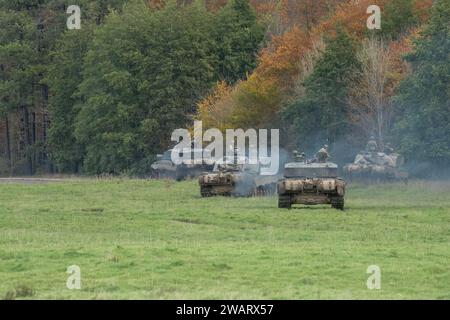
(26, 122)
(8, 143)
(33, 139)
(43, 158)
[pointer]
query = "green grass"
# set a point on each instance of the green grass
(136, 239)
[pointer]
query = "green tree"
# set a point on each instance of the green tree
(30, 30)
(20, 70)
(398, 16)
(143, 75)
(423, 131)
(321, 114)
(239, 36)
(64, 75)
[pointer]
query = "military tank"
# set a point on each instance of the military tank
(231, 179)
(164, 168)
(373, 165)
(311, 182)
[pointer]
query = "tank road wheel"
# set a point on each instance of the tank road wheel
(284, 201)
(205, 192)
(337, 203)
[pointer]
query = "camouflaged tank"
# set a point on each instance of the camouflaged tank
(311, 183)
(164, 168)
(372, 165)
(231, 179)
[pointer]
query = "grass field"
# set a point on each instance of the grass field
(136, 239)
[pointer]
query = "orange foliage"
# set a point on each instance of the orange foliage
(263, 7)
(422, 9)
(397, 50)
(352, 16)
(281, 60)
(156, 4)
(289, 57)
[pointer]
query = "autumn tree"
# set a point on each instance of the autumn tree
(215, 110)
(305, 14)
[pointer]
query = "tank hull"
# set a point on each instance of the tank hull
(236, 184)
(311, 191)
(376, 167)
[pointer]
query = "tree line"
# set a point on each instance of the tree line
(368, 86)
(105, 99)
(335, 82)
(110, 94)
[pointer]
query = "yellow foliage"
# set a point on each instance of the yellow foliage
(256, 102)
(216, 109)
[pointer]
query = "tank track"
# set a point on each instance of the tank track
(337, 203)
(284, 201)
(205, 192)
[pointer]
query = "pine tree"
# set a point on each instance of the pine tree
(423, 131)
(397, 17)
(239, 36)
